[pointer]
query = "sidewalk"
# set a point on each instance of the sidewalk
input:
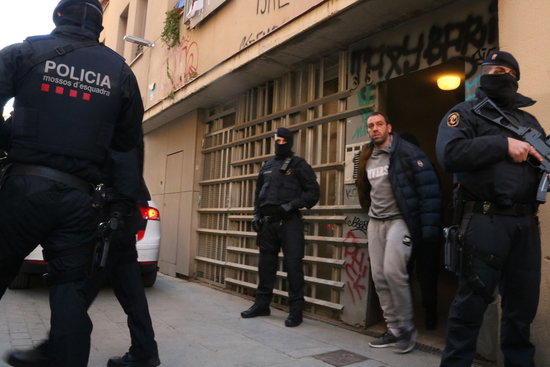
(199, 326)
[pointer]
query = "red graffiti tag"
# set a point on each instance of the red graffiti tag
(182, 63)
(355, 268)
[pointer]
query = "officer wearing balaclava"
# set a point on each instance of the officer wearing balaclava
(286, 183)
(499, 224)
(76, 105)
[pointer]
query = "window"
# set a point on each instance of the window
(122, 29)
(139, 28)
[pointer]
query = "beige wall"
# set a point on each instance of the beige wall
(524, 31)
(202, 48)
(210, 44)
(171, 160)
(172, 166)
(112, 34)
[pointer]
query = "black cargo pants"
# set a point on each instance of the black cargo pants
(516, 241)
(125, 276)
(36, 211)
(286, 234)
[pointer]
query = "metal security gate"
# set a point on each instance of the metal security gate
(312, 102)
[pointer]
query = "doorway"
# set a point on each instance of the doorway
(415, 107)
(170, 224)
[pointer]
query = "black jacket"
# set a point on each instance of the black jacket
(128, 120)
(415, 187)
(297, 186)
(476, 150)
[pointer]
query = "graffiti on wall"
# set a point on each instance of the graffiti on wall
(181, 63)
(280, 12)
(255, 36)
(267, 6)
(263, 7)
(356, 130)
(466, 38)
(355, 255)
(366, 96)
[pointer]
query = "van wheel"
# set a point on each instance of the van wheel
(21, 281)
(149, 278)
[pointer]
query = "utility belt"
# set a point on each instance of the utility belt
(456, 253)
(51, 174)
(274, 218)
(460, 255)
(488, 208)
(273, 213)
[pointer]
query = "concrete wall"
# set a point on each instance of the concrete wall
(524, 31)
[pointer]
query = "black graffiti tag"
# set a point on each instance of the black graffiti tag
(266, 6)
(253, 37)
(436, 45)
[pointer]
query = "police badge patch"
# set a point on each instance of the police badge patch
(453, 119)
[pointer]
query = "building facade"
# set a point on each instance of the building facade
(222, 75)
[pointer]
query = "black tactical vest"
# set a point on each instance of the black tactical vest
(279, 187)
(68, 104)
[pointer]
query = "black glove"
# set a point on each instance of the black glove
(124, 214)
(257, 222)
(286, 208)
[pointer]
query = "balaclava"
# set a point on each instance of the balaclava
(284, 150)
(501, 88)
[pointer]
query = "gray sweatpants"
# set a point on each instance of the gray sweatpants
(389, 251)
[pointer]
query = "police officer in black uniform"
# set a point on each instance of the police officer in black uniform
(122, 268)
(74, 100)
(285, 184)
(500, 228)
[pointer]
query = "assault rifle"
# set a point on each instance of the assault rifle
(488, 110)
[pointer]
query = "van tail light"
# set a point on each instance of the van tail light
(149, 213)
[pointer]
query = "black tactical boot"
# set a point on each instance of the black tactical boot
(294, 319)
(256, 310)
(128, 360)
(35, 357)
(295, 313)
